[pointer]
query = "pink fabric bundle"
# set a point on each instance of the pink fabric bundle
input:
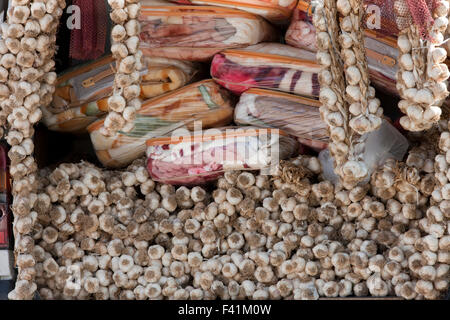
(88, 42)
(420, 11)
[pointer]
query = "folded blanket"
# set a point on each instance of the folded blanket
(200, 105)
(199, 158)
(276, 11)
(197, 33)
(297, 116)
(165, 75)
(81, 94)
(269, 66)
(76, 119)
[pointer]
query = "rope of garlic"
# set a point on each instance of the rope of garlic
(26, 60)
(332, 84)
(422, 76)
(124, 102)
(365, 111)
(345, 70)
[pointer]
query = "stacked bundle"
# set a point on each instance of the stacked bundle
(82, 94)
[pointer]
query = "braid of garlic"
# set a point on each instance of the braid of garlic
(345, 70)
(422, 76)
(364, 110)
(124, 102)
(26, 63)
(332, 83)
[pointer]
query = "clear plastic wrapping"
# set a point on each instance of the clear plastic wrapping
(196, 33)
(381, 144)
(81, 94)
(198, 158)
(297, 116)
(276, 11)
(203, 104)
(381, 47)
(267, 66)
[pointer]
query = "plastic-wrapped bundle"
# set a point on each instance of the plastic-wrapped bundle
(267, 66)
(81, 94)
(301, 32)
(380, 17)
(197, 33)
(297, 116)
(276, 11)
(165, 75)
(382, 53)
(203, 102)
(381, 46)
(196, 159)
(75, 119)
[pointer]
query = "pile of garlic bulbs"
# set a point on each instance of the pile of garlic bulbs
(119, 235)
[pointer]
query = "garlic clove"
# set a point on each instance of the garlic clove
(408, 79)
(432, 114)
(424, 96)
(346, 41)
(354, 92)
(404, 44)
(344, 7)
(324, 59)
(415, 112)
(327, 96)
(355, 109)
(438, 72)
(360, 124)
(406, 62)
(353, 75)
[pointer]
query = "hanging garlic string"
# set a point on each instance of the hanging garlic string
(124, 102)
(351, 116)
(422, 76)
(28, 82)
